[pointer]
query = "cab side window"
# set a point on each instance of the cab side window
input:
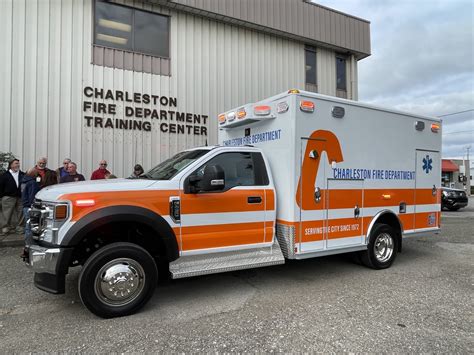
(240, 169)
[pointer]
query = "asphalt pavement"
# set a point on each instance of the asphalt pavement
(423, 303)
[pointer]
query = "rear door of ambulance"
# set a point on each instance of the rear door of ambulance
(331, 210)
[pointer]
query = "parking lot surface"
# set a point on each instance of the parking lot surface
(423, 303)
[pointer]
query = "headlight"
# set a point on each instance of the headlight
(50, 216)
(445, 193)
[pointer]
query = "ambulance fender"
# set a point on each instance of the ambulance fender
(391, 219)
(162, 231)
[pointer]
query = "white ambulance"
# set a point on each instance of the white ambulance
(295, 176)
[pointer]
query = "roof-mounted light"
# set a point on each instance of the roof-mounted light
(293, 91)
(241, 113)
(221, 118)
(230, 116)
(282, 107)
(262, 110)
(307, 106)
(435, 127)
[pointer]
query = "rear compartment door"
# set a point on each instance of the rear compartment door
(427, 189)
(311, 195)
(345, 212)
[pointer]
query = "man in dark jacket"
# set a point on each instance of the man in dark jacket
(73, 175)
(47, 177)
(10, 194)
(29, 187)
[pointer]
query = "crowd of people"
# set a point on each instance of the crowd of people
(18, 189)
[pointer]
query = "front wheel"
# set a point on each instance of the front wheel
(117, 280)
(382, 248)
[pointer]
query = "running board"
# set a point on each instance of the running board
(194, 265)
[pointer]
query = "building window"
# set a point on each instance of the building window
(310, 69)
(341, 77)
(131, 29)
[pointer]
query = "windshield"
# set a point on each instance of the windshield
(169, 168)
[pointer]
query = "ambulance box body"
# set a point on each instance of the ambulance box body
(338, 164)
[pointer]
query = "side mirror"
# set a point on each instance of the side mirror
(191, 184)
(213, 178)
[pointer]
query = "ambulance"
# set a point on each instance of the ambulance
(295, 176)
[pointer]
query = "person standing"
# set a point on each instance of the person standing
(47, 176)
(101, 172)
(29, 187)
(73, 175)
(62, 170)
(10, 193)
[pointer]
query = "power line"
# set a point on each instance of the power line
(469, 130)
(456, 113)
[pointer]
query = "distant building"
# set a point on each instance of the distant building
(457, 174)
(136, 81)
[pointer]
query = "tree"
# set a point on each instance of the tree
(5, 158)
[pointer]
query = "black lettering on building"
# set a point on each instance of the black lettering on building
(88, 91)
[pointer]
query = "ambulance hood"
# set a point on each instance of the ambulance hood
(52, 193)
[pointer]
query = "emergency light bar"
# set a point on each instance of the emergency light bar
(241, 117)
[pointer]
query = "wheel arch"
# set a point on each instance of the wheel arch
(390, 218)
(123, 214)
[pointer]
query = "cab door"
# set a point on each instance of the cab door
(232, 217)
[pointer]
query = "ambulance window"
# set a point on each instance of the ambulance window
(240, 169)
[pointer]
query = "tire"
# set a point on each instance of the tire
(133, 271)
(382, 248)
(453, 208)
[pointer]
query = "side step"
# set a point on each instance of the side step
(194, 265)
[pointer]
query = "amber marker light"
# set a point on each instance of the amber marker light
(60, 212)
(435, 127)
(221, 118)
(241, 113)
(293, 91)
(307, 106)
(84, 203)
(386, 197)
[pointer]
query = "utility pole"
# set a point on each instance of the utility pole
(468, 171)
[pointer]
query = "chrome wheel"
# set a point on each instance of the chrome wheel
(383, 247)
(119, 282)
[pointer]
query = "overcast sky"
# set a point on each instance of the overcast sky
(422, 61)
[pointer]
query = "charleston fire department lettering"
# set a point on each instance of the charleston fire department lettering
(139, 118)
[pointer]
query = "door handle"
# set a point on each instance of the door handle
(254, 199)
(356, 211)
(317, 194)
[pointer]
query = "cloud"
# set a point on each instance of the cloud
(422, 61)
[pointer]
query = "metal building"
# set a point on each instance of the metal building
(137, 81)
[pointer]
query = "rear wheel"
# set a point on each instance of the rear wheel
(117, 280)
(382, 248)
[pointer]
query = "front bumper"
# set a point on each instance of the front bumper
(50, 265)
(42, 259)
(455, 203)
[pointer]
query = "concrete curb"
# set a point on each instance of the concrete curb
(12, 240)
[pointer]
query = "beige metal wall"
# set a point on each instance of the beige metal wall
(45, 62)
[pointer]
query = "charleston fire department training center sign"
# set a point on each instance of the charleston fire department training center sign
(139, 118)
